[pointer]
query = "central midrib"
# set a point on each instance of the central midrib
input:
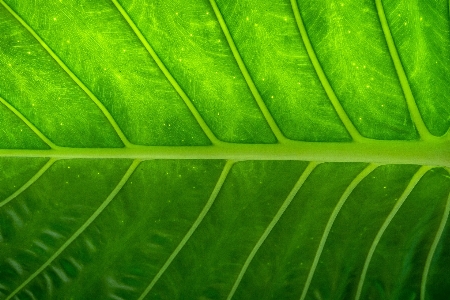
(433, 153)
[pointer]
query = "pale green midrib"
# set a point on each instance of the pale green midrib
(410, 101)
(209, 203)
(208, 132)
(80, 230)
(433, 153)
(71, 75)
(354, 133)
(433, 247)
(32, 180)
(311, 166)
(248, 79)
(413, 182)
(355, 182)
(29, 124)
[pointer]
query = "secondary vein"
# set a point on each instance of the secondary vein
(214, 140)
(413, 182)
(80, 230)
(29, 124)
(354, 133)
(262, 106)
(311, 166)
(410, 101)
(29, 182)
(355, 182)
(194, 226)
(437, 238)
(71, 74)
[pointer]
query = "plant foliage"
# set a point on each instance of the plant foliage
(218, 149)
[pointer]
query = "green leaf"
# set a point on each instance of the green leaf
(250, 149)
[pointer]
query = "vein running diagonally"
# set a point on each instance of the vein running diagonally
(29, 124)
(80, 230)
(214, 140)
(72, 75)
(410, 101)
(209, 203)
(354, 133)
(437, 238)
(311, 166)
(355, 182)
(262, 106)
(413, 182)
(30, 182)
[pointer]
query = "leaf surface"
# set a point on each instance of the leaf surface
(284, 149)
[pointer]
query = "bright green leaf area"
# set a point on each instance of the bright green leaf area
(224, 149)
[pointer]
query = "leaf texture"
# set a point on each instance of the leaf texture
(212, 149)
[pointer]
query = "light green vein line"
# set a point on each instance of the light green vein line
(80, 230)
(262, 106)
(414, 180)
(214, 140)
(72, 75)
(446, 136)
(311, 166)
(29, 182)
(354, 133)
(331, 220)
(410, 101)
(29, 124)
(194, 226)
(434, 245)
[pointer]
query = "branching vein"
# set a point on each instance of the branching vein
(194, 226)
(354, 133)
(214, 140)
(72, 75)
(29, 124)
(29, 182)
(331, 220)
(437, 238)
(411, 102)
(262, 106)
(311, 166)
(413, 182)
(80, 230)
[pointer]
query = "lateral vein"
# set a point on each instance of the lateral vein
(413, 182)
(437, 238)
(354, 133)
(71, 74)
(214, 140)
(410, 101)
(29, 124)
(80, 230)
(194, 226)
(30, 181)
(262, 106)
(355, 182)
(311, 166)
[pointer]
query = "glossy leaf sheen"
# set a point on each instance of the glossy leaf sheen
(214, 149)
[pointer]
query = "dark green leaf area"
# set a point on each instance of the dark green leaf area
(15, 172)
(348, 243)
(43, 217)
(121, 252)
(398, 263)
(439, 285)
(284, 257)
(249, 199)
